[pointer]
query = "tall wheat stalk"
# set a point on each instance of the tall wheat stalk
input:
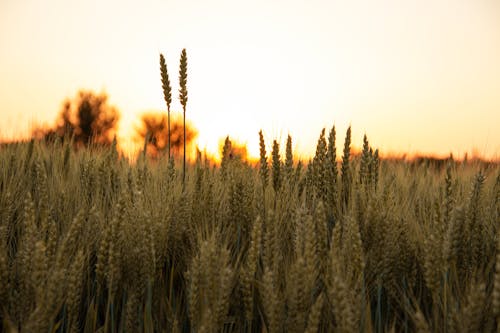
(167, 94)
(183, 96)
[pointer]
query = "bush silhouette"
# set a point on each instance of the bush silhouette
(88, 118)
(154, 125)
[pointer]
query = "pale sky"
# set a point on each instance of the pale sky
(418, 76)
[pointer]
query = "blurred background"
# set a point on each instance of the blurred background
(418, 77)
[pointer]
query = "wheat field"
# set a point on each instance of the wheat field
(92, 243)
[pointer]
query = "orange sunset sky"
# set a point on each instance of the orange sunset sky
(419, 76)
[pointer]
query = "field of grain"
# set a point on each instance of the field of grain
(92, 243)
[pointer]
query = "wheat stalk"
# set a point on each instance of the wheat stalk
(183, 97)
(276, 166)
(345, 169)
(167, 95)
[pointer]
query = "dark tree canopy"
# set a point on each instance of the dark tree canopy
(88, 118)
(155, 124)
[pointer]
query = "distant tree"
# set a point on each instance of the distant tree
(88, 118)
(154, 125)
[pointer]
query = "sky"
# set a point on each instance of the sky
(415, 76)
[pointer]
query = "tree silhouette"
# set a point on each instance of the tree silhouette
(155, 125)
(88, 118)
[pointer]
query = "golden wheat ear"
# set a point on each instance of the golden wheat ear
(276, 166)
(165, 81)
(167, 94)
(183, 93)
(264, 174)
